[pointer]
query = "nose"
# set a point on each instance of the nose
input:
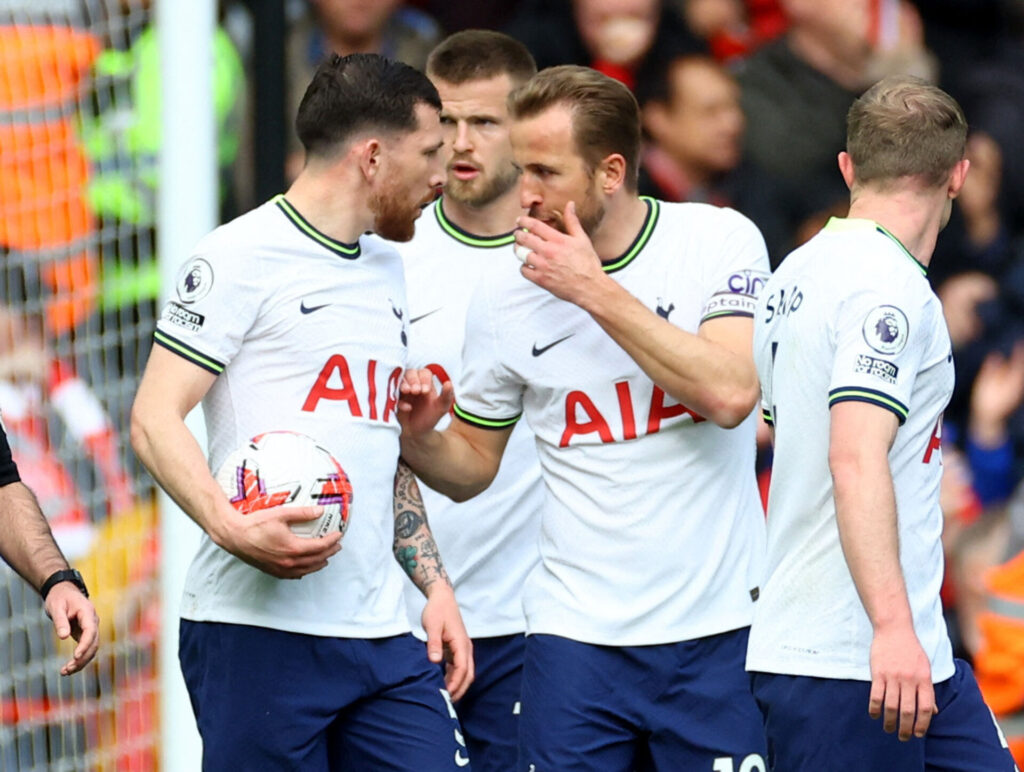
(461, 142)
(529, 191)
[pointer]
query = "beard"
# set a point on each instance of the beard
(393, 218)
(590, 213)
(481, 191)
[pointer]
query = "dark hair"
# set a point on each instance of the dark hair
(357, 92)
(605, 116)
(659, 88)
(905, 127)
(479, 54)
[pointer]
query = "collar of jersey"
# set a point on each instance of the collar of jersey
(627, 257)
(839, 224)
(340, 248)
(465, 237)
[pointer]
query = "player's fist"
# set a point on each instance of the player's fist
(420, 403)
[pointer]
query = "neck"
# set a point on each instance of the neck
(494, 219)
(623, 218)
(334, 202)
(914, 217)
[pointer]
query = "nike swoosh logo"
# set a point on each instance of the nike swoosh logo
(424, 316)
(538, 351)
(310, 309)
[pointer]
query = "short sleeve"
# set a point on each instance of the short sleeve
(488, 395)
(8, 469)
(739, 269)
(216, 300)
(881, 338)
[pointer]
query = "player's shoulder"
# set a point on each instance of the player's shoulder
(704, 218)
(242, 238)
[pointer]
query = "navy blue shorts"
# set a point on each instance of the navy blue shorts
(675, 706)
(821, 723)
(273, 700)
(489, 710)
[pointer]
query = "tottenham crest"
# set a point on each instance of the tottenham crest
(886, 329)
(195, 281)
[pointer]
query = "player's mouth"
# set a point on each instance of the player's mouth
(463, 170)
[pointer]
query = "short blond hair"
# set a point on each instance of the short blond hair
(605, 116)
(905, 127)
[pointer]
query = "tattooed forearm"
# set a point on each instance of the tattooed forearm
(414, 547)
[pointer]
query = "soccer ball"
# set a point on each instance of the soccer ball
(287, 468)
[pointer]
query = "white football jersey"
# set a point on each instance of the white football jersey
(848, 316)
(305, 334)
(652, 531)
(489, 543)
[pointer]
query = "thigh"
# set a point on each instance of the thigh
(262, 698)
(407, 720)
(963, 736)
(575, 714)
(814, 724)
(706, 717)
(489, 712)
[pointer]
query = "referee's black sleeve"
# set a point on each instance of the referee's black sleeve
(8, 469)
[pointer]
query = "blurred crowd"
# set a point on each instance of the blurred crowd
(743, 105)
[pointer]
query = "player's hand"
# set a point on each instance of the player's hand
(447, 639)
(565, 264)
(901, 683)
(264, 539)
(74, 616)
(420, 404)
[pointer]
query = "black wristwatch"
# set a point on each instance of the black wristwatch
(65, 575)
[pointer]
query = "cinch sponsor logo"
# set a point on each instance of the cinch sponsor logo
(747, 282)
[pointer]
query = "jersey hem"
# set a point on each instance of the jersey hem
(234, 617)
(831, 671)
(582, 634)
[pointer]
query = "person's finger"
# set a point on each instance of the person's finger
(435, 649)
(87, 636)
(573, 226)
(447, 395)
(926, 708)
(459, 676)
(891, 710)
(537, 228)
(298, 514)
(876, 698)
(61, 623)
(908, 710)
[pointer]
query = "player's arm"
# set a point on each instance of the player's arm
(712, 372)
(461, 461)
(27, 545)
(417, 554)
(859, 443)
(171, 386)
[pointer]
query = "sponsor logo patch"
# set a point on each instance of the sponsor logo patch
(195, 281)
(886, 329)
(747, 282)
(181, 316)
(880, 368)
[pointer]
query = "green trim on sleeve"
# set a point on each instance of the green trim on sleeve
(858, 394)
(485, 423)
(187, 352)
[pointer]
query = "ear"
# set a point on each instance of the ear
(612, 172)
(370, 156)
(846, 168)
(957, 177)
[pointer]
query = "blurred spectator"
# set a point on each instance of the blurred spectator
(457, 15)
(387, 27)
(796, 91)
(629, 40)
(692, 116)
(33, 387)
(733, 28)
(989, 570)
(46, 50)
